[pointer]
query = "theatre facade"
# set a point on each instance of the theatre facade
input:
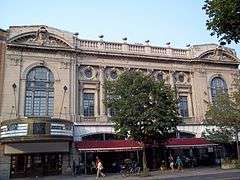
(52, 94)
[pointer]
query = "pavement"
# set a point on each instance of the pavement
(186, 174)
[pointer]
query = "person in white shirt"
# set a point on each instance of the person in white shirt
(99, 169)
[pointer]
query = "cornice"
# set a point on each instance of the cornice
(118, 54)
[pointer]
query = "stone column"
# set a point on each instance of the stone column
(103, 116)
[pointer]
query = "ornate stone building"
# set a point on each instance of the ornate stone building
(53, 79)
(3, 159)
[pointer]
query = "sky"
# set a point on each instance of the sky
(180, 22)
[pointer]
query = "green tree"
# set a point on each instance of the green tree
(224, 19)
(144, 109)
(224, 113)
(219, 134)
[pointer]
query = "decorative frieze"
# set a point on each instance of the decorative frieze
(15, 61)
(65, 65)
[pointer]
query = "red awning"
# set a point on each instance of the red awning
(108, 145)
(187, 142)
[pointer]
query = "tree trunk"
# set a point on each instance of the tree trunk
(237, 139)
(144, 161)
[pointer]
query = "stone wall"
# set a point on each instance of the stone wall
(4, 164)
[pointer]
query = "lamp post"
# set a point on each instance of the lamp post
(14, 86)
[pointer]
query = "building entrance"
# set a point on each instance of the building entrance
(32, 165)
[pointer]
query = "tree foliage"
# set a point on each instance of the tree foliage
(219, 134)
(144, 108)
(224, 112)
(224, 19)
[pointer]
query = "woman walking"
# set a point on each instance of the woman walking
(171, 162)
(99, 167)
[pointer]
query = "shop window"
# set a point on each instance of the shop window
(39, 92)
(183, 106)
(88, 104)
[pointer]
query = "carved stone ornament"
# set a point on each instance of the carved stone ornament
(181, 78)
(218, 55)
(15, 61)
(159, 75)
(112, 73)
(41, 38)
(65, 65)
(88, 73)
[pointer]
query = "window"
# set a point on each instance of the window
(183, 106)
(39, 92)
(39, 128)
(218, 86)
(88, 104)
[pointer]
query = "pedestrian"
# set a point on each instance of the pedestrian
(99, 167)
(171, 162)
(163, 166)
(93, 167)
(179, 163)
(74, 168)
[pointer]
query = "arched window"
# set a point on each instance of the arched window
(218, 86)
(39, 92)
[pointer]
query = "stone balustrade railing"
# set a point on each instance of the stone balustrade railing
(133, 48)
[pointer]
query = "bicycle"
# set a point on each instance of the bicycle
(130, 170)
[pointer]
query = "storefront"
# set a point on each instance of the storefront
(111, 152)
(36, 159)
(42, 164)
(33, 147)
(193, 151)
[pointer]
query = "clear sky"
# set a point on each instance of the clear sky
(180, 22)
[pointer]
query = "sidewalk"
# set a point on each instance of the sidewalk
(154, 175)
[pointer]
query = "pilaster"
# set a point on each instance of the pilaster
(103, 116)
